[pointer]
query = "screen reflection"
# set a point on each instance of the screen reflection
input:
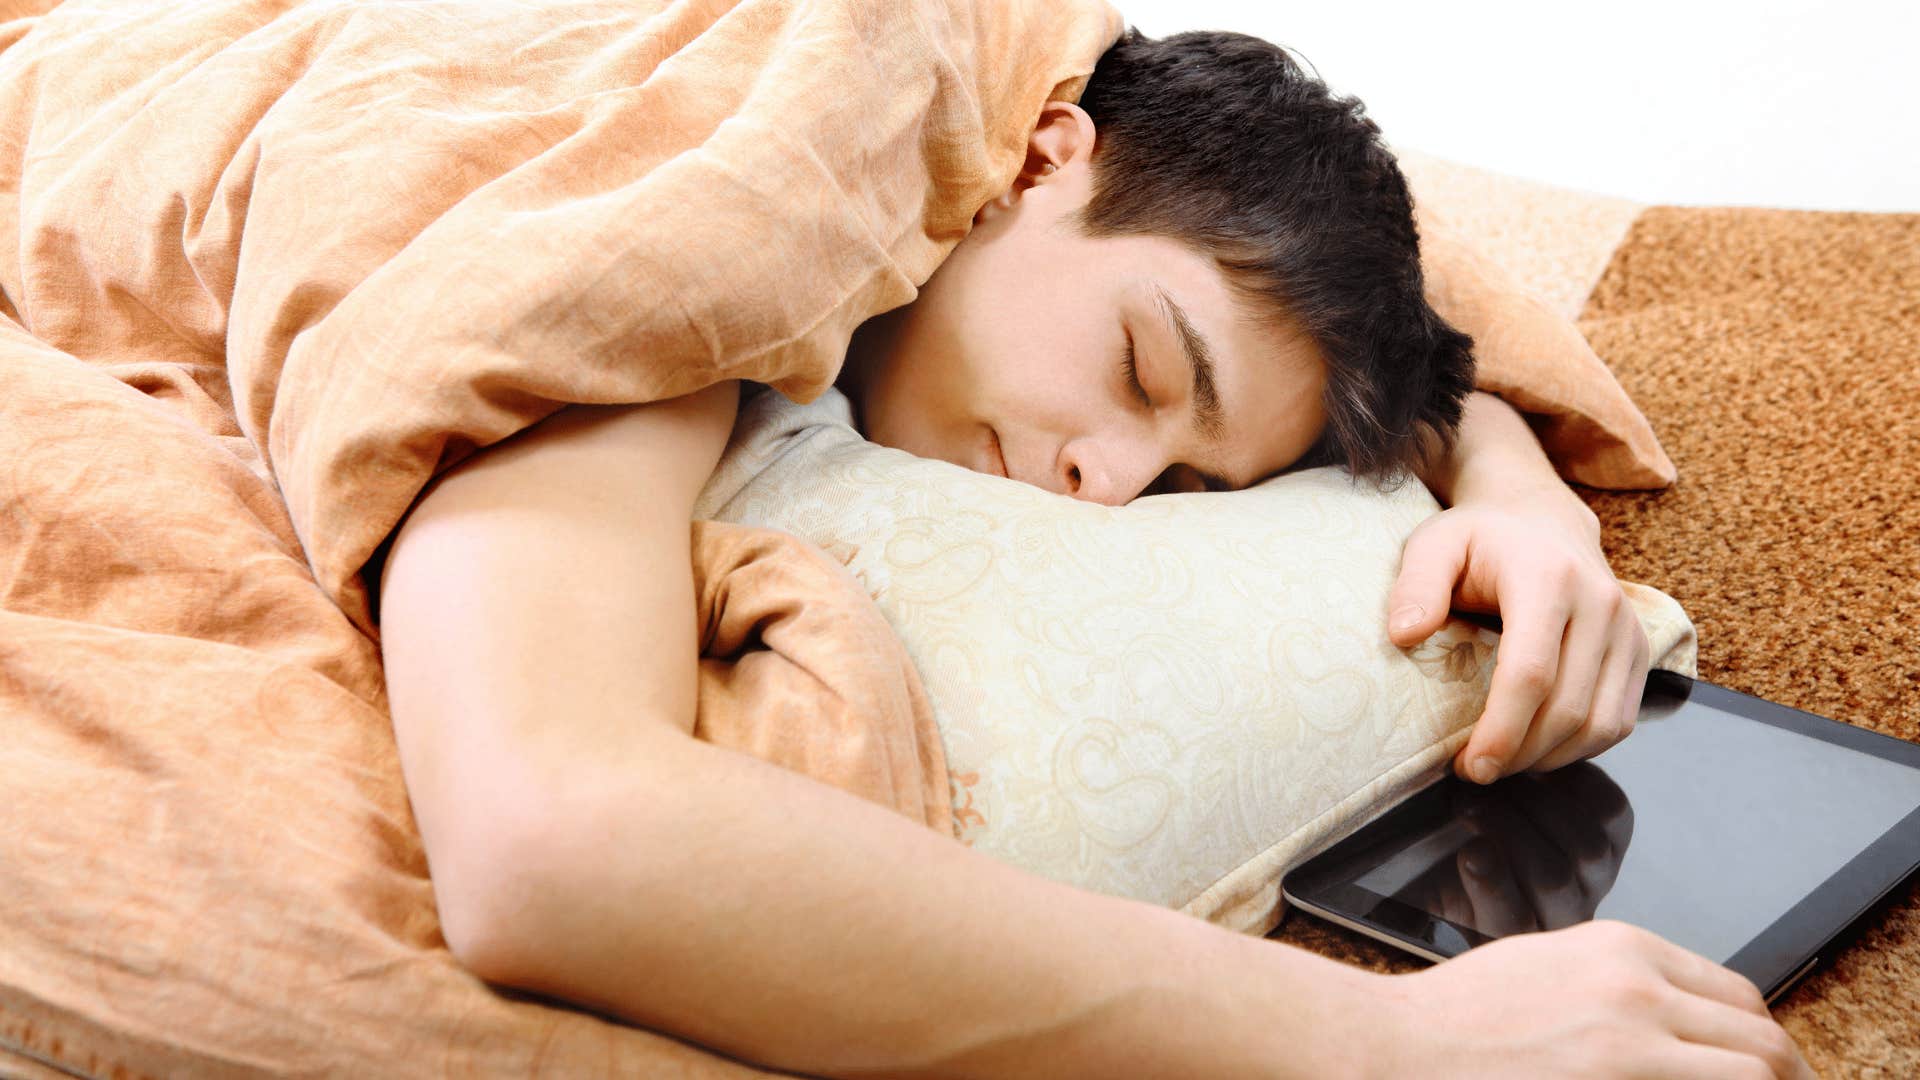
(1531, 852)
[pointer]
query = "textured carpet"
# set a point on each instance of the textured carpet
(1777, 354)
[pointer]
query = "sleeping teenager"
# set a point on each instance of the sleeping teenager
(1205, 273)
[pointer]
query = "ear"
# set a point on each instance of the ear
(1059, 148)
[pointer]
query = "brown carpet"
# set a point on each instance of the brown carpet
(1777, 354)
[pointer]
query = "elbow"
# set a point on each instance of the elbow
(480, 937)
(523, 852)
(481, 931)
(493, 895)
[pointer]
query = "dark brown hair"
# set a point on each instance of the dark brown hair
(1221, 141)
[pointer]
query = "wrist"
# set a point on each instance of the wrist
(1397, 1029)
(1321, 1016)
(1188, 998)
(1550, 497)
(1494, 457)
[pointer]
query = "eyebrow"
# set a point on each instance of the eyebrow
(1208, 418)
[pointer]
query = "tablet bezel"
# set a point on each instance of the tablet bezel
(1774, 959)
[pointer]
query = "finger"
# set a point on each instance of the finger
(1523, 672)
(1697, 1062)
(1696, 974)
(1621, 682)
(1711, 1023)
(1622, 695)
(1422, 594)
(1566, 716)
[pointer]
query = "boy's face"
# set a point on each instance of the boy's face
(1012, 360)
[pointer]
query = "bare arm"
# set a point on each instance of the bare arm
(1497, 454)
(539, 638)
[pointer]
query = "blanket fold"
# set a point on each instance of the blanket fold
(407, 231)
(269, 266)
(277, 264)
(796, 662)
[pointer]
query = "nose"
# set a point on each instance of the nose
(1103, 473)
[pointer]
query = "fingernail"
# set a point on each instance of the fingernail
(1476, 863)
(1484, 770)
(1407, 616)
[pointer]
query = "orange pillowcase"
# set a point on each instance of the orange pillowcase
(1538, 361)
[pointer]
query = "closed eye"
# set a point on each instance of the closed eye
(1130, 369)
(1178, 477)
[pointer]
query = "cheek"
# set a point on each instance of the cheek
(920, 394)
(1033, 353)
(993, 340)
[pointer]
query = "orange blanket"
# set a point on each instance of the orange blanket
(268, 267)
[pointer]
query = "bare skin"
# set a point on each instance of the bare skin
(539, 643)
(1012, 360)
(539, 640)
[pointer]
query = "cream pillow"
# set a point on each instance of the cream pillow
(1173, 700)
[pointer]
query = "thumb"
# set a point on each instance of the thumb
(1421, 597)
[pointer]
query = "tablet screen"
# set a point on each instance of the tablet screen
(1703, 826)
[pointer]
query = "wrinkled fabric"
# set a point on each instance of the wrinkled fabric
(796, 661)
(379, 236)
(267, 268)
(1536, 360)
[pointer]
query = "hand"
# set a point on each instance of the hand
(1573, 659)
(1601, 999)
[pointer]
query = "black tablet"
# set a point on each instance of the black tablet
(1751, 833)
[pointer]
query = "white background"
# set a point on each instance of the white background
(1773, 103)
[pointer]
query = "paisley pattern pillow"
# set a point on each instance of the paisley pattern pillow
(1174, 700)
